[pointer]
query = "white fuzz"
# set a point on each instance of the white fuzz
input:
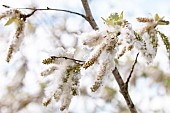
(99, 78)
(58, 93)
(66, 100)
(75, 84)
(93, 38)
(49, 71)
(149, 42)
(66, 95)
(96, 53)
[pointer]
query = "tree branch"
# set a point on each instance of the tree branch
(89, 15)
(47, 9)
(124, 86)
(67, 58)
(127, 81)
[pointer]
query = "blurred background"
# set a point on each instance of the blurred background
(22, 87)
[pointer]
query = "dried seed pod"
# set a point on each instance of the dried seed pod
(46, 101)
(99, 78)
(140, 19)
(95, 56)
(10, 51)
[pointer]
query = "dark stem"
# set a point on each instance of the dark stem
(27, 16)
(48, 9)
(88, 17)
(67, 58)
(133, 66)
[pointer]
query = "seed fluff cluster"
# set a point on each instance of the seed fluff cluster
(17, 17)
(14, 16)
(145, 40)
(105, 46)
(148, 42)
(65, 84)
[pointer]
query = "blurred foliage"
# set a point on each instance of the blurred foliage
(109, 93)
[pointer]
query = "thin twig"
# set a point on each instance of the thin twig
(28, 15)
(127, 81)
(89, 15)
(24, 17)
(75, 60)
(47, 9)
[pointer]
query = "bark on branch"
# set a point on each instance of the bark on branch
(124, 87)
(89, 15)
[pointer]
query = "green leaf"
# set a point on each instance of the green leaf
(167, 82)
(30, 26)
(157, 17)
(42, 85)
(110, 92)
(114, 16)
(116, 61)
(121, 15)
(145, 74)
(114, 19)
(108, 21)
(10, 21)
(119, 23)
